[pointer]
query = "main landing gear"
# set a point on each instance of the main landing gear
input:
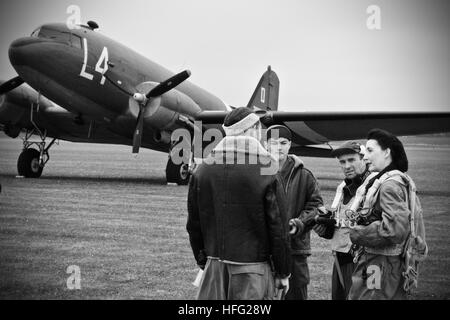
(180, 164)
(177, 173)
(31, 162)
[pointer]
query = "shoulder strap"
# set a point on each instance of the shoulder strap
(395, 175)
(338, 196)
(412, 204)
(373, 191)
(406, 180)
(361, 192)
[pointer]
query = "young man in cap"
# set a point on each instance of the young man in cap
(350, 157)
(236, 217)
(303, 199)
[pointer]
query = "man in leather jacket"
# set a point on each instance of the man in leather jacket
(237, 223)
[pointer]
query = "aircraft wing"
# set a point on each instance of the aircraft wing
(312, 128)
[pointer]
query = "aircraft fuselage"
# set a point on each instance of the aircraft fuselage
(93, 76)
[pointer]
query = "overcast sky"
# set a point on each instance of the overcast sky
(323, 52)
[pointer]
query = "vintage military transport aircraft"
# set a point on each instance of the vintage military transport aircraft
(76, 84)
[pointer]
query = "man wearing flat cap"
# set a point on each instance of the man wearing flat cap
(237, 222)
(303, 201)
(350, 157)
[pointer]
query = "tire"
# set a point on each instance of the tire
(28, 164)
(177, 173)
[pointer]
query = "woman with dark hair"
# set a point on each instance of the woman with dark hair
(392, 148)
(383, 225)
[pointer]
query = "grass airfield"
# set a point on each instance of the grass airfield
(112, 215)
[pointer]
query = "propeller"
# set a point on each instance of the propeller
(137, 136)
(11, 84)
(169, 84)
(147, 99)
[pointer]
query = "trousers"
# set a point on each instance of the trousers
(346, 265)
(299, 280)
(228, 281)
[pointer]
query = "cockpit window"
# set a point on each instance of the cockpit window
(59, 36)
(76, 41)
(35, 33)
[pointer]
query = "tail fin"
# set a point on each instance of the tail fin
(265, 96)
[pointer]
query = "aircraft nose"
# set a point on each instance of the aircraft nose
(21, 51)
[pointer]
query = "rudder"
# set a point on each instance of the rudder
(265, 96)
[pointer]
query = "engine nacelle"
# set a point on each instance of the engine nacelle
(14, 113)
(162, 112)
(179, 102)
(15, 109)
(12, 131)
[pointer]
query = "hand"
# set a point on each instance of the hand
(282, 283)
(292, 227)
(324, 212)
(355, 233)
(296, 226)
(201, 259)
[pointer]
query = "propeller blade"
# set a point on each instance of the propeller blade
(137, 136)
(11, 84)
(169, 84)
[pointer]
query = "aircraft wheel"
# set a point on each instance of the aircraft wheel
(28, 164)
(177, 173)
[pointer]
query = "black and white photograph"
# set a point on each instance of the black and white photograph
(225, 150)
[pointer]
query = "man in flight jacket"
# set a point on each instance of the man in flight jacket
(237, 221)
